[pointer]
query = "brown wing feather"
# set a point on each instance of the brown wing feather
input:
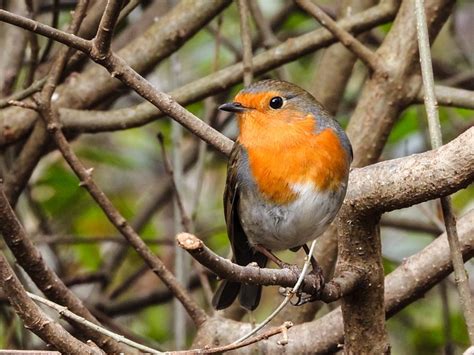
(242, 254)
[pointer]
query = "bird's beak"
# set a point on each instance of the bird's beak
(236, 107)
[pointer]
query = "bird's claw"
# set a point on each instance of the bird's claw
(318, 286)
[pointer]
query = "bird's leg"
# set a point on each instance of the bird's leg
(314, 263)
(317, 271)
(281, 264)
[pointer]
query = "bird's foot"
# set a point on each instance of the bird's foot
(318, 286)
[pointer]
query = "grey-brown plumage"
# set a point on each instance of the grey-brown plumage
(242, 253)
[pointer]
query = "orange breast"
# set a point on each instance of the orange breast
(282, 154)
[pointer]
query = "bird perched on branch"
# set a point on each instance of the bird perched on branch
(286, 178)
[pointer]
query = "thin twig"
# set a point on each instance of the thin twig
(225, 269)
(103, 39)
(20, 95)
(115, 217)
(287, 299)
(23, 104)
(353, 44)
(186, 221)
(54, 23)
(64, 311)
(269, 39)
(436, 142)
(34, 48)
(246, 39)
(32, 316)
(270, 332)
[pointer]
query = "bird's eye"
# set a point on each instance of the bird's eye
(276, 102)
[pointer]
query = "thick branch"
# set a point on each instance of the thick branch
(403, 182)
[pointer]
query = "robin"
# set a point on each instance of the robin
(286, 178)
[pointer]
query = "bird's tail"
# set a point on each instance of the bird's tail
(249, 295)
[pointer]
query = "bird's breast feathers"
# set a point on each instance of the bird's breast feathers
(280, 227)
(293, 190)
(280, 158)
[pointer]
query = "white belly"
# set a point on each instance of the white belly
(291, 225)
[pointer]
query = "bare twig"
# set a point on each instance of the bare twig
(103, 39)
(225, 269)
(353, 44)
(20, 95)
(34, 48)
(54, 23)
(436, 142)
(268, 37)
(34, 319)
(246, 40)
(186, 221)
(114, 216)
(65, 312)
(23, 104)
(269, 333)
(214, 83)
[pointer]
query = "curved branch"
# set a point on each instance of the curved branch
(250, 274)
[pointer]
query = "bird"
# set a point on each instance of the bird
(286, 178)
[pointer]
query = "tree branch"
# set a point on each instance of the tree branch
(246, 40)
(103, 39)
(403, 182)
(199, 89)
(409, 282)
(63, 311)
(224, 268)
(349, 41)
(449, 96)
(34, 319)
